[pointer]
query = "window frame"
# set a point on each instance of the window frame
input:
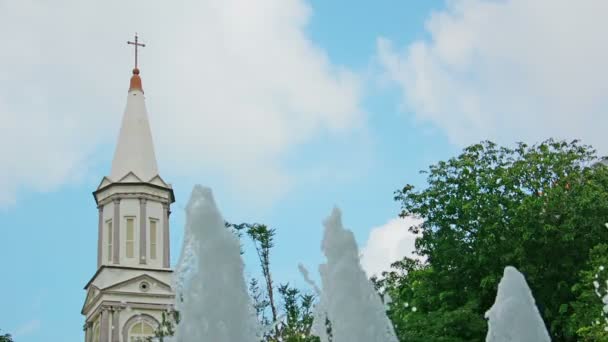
(153, 238)
(110, 238)
(130, 243)
(140, 335)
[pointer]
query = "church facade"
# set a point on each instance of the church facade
(131, 288)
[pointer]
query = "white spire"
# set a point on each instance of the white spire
(135, 149)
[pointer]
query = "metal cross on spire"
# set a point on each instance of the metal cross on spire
(137, 44)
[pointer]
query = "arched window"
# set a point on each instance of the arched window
(139, 331)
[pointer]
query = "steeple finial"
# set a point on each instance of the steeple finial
(137, 44)
(135, 79)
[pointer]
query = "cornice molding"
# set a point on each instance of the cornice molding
(139, 278)
(142, 196)
(86, 287)
(112, 304)
(130, 184)
(101, 305)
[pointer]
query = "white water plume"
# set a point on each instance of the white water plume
(210, 286)
(514, 315)
(348, 298)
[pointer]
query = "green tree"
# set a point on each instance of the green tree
(588, 319)
(169, 320)
(298, 316)
(263, 240)
(539, 208)
(6, 338)
(291, 322)
(416, 306)
(296, 322)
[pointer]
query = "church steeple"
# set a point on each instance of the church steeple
(131, 289)
(134, 201)
(135, 148)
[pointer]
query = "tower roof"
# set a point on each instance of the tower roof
(135, 148)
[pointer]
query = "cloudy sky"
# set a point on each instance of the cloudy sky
(284, 107)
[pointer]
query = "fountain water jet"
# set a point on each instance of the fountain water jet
(211, 292)
(514, 315)
(215, 306)
(348, 298)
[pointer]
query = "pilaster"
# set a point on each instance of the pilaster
(115, 324)
(142, 231)
(166, 242)
(116, 233)
(88, 332)
(104, 328)
(99, 236)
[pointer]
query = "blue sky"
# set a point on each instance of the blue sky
(283, 108)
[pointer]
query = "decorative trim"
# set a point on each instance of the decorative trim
(87, 305)
(136, 319)
(125, 268)
(90, 297)
(170, 190)
(144, 286)
(131, 294)
(130, 173)
(151, 181)
(105, 304)
(109, 182)
(166, 236)
(141, 294)
(138, 305)
(133, 195)
(100, 236)
(116, 233)
(142, 230)
(136, 279)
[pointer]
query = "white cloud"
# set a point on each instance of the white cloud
(508, 70)
(388, 243)
(27, 328)
(231, 86)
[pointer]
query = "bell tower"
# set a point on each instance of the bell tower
(132, 285)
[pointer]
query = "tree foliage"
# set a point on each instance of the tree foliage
(290, 322)
(589, 320)
(6, 338)
(169, 320)
(539, 208)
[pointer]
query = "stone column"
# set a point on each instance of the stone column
(87, 332)
(104, 328)
(143, 243)
(166, 247)
(115, 324)
(100, 236)
(90, 332)
(116, 233)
